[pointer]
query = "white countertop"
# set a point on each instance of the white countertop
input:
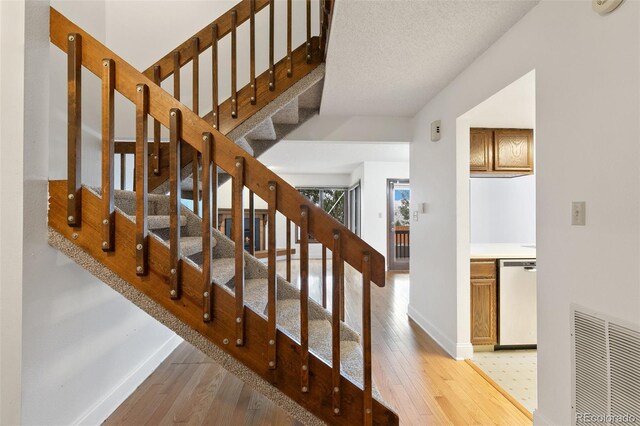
(503, 251)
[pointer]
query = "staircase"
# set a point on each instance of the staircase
(176, 265)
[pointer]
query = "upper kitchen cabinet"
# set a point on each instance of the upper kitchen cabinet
(501, 152)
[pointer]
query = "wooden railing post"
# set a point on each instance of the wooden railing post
(304, 297)
(366, 338)
(238, 237)
(234, 66)
(272, 70)
(288, 254)
(324, 276)
(176, 75)
(123, 171)
(108, 148)
(308, 31)
(207, 255)
(175, 205)
(195, 47)
(335, 321)
(156, 128)
(342, 290)
(195, 170)
(272, 291)
(252, 223)
(289, 38)
(74, 129)
(252, 53)
(214, 77)
(142, 238)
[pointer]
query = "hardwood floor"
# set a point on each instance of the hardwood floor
(413, 374)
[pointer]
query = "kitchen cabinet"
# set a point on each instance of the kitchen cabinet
(484, 312)
(501, 152)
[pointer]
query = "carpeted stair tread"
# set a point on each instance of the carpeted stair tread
(263, 130)
(190, 245)
(288, 114)
(255, 294)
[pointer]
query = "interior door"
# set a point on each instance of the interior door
(398, 223)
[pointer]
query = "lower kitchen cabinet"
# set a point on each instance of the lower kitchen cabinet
(484, 312)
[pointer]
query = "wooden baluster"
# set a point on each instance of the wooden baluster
(207, 290)
(288, 250)
(289, 57)
(176, 75)
(342, 291)
(252, 54)
(195, 52)
(108, 148)
(195, 170)
(324, 276)
(336, 259)
(321, 26)
(74, 129)
(142, 238)
(234, 66)
(272, 277)
(156, 128)
(175, 205)
(252, 222)
(304, 297)
(238, 237)
(366, 338)
(123, 171)
(214, 77)
(308, 31)
(272, 70)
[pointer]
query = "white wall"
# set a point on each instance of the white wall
(12, 35)
(503, 210)
(85, 347)
(587, 150)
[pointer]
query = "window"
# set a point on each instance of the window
(331, 200)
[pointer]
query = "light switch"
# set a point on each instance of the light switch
(415, 215)
(578, 213)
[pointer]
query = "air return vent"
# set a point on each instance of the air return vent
(606, 370)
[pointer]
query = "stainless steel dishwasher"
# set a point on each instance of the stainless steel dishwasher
(517, 296)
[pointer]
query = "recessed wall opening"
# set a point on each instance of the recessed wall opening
(502, 289)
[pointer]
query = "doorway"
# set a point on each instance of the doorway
(398, 224)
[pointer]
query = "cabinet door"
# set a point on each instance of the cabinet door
(513, 150)
(481, 150)
(483, 312)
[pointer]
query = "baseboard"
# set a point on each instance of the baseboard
(458, 351)
(541, 419)
(99, 412)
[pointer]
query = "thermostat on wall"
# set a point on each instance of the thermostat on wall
(605, 6)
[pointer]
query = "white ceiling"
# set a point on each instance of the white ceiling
(390, 57)
(301, 157)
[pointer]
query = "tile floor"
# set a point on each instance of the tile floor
(514, 371)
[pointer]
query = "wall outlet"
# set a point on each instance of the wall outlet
(578, 213)
(415, 215)
(436, 131)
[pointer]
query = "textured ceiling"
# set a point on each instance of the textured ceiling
(390, 57)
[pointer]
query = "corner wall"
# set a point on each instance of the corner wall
(588, 109)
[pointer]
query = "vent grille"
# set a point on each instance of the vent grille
(606, 373)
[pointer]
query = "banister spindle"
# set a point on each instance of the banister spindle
(195, 53)
(342, 290)
(238, 237)
(195, 170)
(366, 338)
(207, 290)
(324, 276)
(308, 31)
(288, 250)
(335, 321)
(215, 122)
(108, 148)
(304, 297)
(176, 75)
(272, 70)
(142, 238)
(272, 279)
(74, 129)
(156, 128)
(175, 205)
(289, 57)
(252, 53)
(123, 171)
(234, 65)
(252, 223)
